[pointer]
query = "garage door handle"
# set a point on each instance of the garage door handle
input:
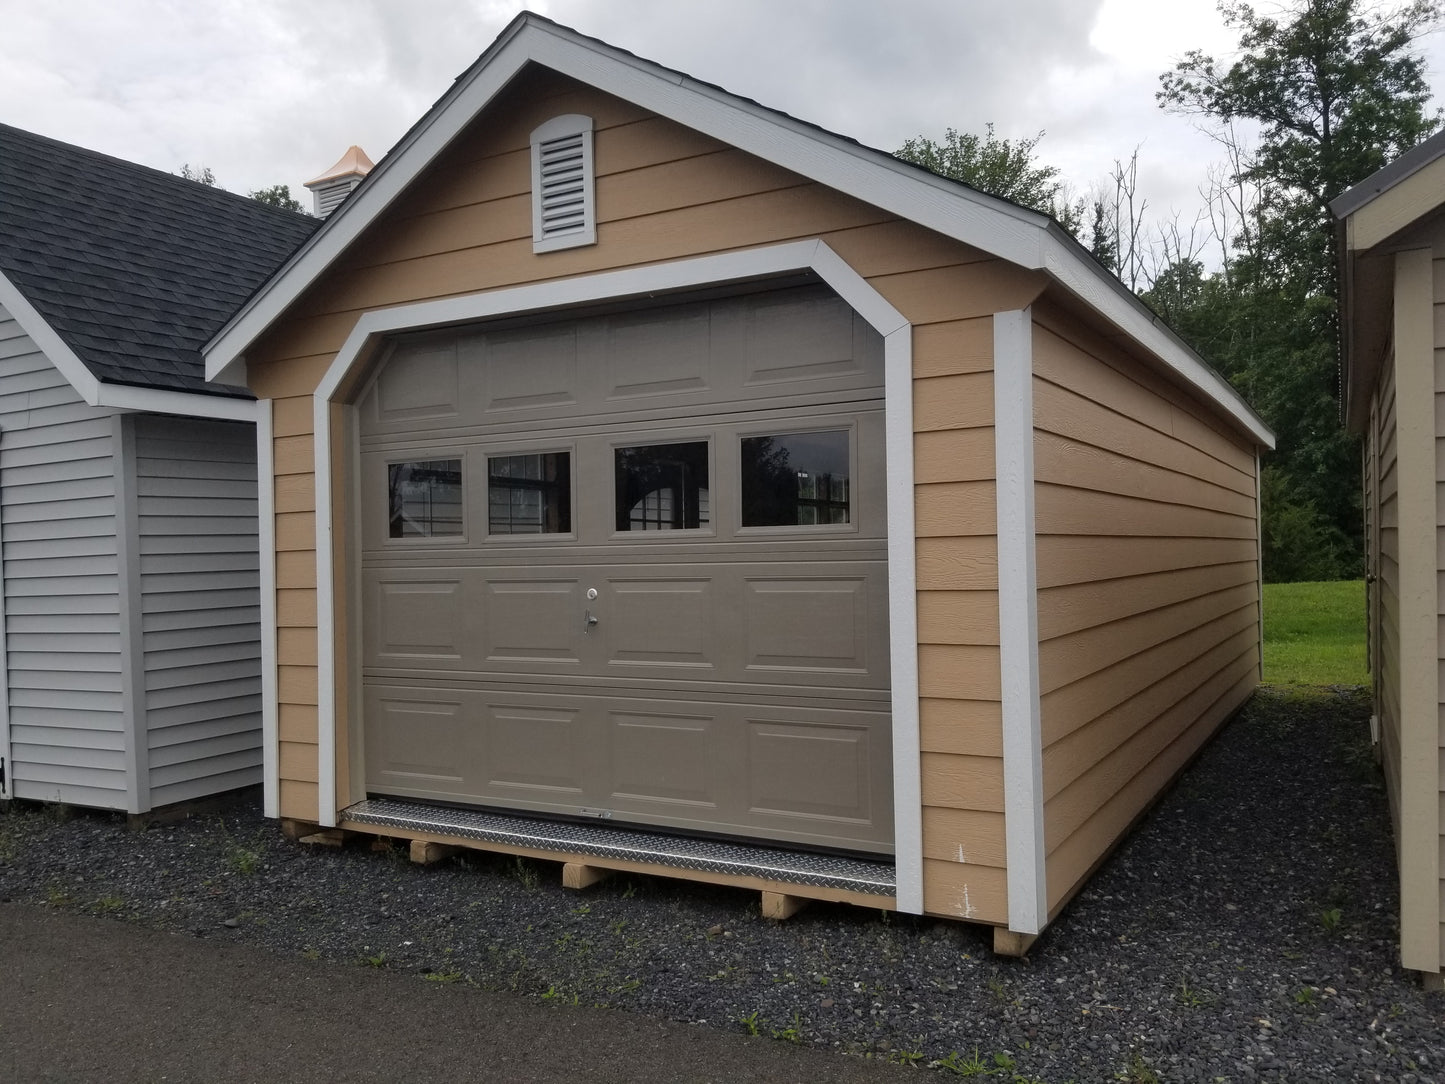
(591, 620)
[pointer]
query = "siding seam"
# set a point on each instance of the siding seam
(1018, 621)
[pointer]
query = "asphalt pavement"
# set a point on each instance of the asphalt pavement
(96, 999)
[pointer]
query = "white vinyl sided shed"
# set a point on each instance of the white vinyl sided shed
(659, 482)
(131, 636)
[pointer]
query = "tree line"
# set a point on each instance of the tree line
(1320, 94)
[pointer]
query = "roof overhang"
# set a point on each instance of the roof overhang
(995, 226)
(1377, 218)
(98, 393)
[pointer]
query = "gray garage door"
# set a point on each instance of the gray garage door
(632, 565)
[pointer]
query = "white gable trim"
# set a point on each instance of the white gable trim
(1002, 229)
(816, 256)
(118, 396)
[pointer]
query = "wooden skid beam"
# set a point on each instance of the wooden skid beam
(1008, 943)
(779, 906)
(327, 837)
(425, 853)
(579, 875)
(295, 830)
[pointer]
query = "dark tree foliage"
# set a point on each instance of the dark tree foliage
(1000, 167)
(1337, 90)
(278, 195)
(199, 174)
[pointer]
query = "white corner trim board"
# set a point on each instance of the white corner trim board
(811, 255)
(1018, 621)
(266, 541)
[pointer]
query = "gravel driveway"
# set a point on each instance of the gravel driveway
(1246, 931)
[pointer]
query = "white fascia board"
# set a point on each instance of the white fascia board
(97, 393)
(1018, 622)
(49, 341)
(814, 255)
(164, 401)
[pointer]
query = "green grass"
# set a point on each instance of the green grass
(1314, 633)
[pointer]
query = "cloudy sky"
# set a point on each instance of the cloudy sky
(272, 91)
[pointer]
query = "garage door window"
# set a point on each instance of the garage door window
(529, 494)
(796, 479)
(662, 487)
(425, 498)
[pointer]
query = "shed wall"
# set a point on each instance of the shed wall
(666, 193)
(1386, 656)
(1148, 576)
(200, 605)
(61, 581)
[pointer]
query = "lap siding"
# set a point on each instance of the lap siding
(1148, 588)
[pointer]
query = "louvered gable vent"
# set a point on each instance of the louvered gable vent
(563, 208)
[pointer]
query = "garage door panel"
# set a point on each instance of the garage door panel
(659, 622)
(801, 338)
(667, 757)
(810, 770)
(813, 623)
(416, 744)
(658, 352)
(532, 621)
(535, 752)
(416, 620)
(528, 370)
(421, 384)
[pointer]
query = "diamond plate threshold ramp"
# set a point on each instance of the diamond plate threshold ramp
(801, 868)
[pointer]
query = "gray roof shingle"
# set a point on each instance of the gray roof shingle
(135, 269)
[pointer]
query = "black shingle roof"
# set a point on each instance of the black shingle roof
(134, 268)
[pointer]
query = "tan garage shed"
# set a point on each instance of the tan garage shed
(660, 482)
(1393, 277)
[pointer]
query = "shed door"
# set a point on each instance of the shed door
(633, 566)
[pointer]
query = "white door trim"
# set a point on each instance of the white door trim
(813, 256)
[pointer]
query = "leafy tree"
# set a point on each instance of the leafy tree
(278, 195)
(199, 174)
(1000, 167)
(1336, 90)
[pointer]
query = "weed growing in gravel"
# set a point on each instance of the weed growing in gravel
(525, 870)
(379, 960)
(975, 1064)
(56, 896)
(793, 1033)
(107, 905)
(1330, 919)
(242, 858)
(906, 1057)
(749, 1021)
(1305, 996)
(450, 975)
(1191, 996)
(1137, 1071)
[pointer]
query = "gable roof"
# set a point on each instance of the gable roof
(121, 272)
(1003, 229)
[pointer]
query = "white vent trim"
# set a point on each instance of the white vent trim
(564, 207)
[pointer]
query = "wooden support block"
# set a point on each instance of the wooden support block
(425, 853)
(779, 906)
(295, 830)
(1008, 943)
(327, 837)
(579, 875)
